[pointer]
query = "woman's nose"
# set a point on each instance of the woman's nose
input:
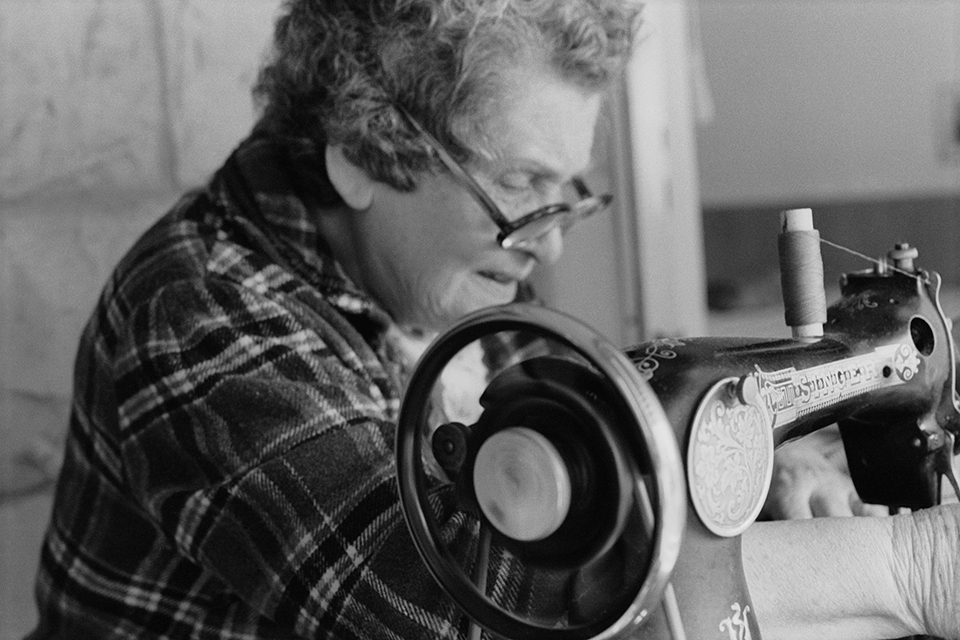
(547, 248)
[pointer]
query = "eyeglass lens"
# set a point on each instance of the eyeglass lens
(535, 225)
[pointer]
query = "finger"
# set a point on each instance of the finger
(861, 508)
(792, 507)
(832, 503)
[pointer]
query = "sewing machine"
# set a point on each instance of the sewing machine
(589, 492)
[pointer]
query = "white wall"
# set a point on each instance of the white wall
(637, 272)
(827, 99)
(109, 109)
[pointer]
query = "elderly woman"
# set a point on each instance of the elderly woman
(230, 466)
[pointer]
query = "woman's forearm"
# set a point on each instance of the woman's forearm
(826, 578)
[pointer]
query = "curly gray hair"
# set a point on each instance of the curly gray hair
(339, 68)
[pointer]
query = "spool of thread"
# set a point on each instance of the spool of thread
(801, 274)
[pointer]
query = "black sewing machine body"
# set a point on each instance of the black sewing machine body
(884, 370)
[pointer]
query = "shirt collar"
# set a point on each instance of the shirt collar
(280, 188)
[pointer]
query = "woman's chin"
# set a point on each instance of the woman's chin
(492, 292)
(469, 299)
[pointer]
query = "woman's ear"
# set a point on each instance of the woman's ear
(351, 182)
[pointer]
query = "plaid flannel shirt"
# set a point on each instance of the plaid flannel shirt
(229, 469)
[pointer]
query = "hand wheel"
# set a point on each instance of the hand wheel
(551, 502)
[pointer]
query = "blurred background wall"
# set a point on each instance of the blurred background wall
(851, 107)
(109, 109)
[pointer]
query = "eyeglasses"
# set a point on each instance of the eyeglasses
(528, 228)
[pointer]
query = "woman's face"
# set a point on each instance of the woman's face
(431, 256)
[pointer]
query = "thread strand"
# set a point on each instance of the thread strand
(875, 261)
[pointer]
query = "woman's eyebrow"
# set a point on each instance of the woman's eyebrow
(533, 159)
(540, 170)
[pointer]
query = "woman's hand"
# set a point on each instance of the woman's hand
(811, 479)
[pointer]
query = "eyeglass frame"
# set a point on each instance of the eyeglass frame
(506, 227)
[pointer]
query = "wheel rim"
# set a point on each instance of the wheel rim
(657, 495)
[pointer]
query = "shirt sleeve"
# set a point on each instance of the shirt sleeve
(264, 449)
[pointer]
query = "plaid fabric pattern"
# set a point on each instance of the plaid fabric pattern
(229, 469)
